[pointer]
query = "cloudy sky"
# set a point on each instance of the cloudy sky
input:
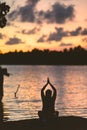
(44, 24)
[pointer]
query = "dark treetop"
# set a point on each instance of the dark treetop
(73, 56)
(4, 9)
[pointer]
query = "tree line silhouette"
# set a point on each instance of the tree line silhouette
(71, 56)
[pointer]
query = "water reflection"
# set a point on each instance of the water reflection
(70, 82)
(72, 91)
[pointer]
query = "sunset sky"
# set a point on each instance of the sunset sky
(44, 24)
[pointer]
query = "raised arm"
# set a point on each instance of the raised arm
(54, 89)
(42, 90)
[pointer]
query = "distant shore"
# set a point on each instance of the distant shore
(62, 123)
(73, 56)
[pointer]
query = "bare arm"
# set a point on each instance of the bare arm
(42, 90)
(54, 89)
(7, 74)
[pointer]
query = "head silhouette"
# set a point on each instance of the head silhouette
(48, 93)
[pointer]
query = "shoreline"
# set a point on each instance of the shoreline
(61, 123)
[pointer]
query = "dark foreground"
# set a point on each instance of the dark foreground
(62, 123)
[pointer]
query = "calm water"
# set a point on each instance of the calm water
(70, 82)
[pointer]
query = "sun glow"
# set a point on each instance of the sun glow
(29, 35)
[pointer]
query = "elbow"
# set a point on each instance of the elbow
(42, 91)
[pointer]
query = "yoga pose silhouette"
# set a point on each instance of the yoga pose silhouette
(48, 102)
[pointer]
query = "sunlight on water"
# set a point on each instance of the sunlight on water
(70, 82)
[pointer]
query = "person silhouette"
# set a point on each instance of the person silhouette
(3, 71)
(1, 112)
(48, 102)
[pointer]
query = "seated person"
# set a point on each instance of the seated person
(48, 101)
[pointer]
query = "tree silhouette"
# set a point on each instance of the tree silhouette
(4, 9)
(72, 56)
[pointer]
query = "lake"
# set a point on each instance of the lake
(70, 82)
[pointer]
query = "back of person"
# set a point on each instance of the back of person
(48, 104)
